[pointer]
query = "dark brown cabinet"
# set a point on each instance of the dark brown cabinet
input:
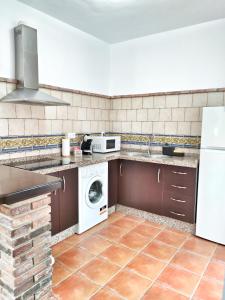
(113, 182)
(140, 186)
(64, 205)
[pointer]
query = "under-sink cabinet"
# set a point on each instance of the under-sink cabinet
(160, 189)
(64, 204)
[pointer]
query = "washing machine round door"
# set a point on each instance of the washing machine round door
(94, 195)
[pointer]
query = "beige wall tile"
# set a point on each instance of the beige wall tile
(102, 103)
(86, 126)
(146, 127)
(77, 100)
(192, 114)
(4, 127)
(68, 97)
(108, 104)
(177, 114)
(85, 101)
(50, 112)
(159, 101)
(142, 115)
(82, 114)
(44, 127)
(113, 115)
(77, 126)
(107, 126)
(148, 102)
(67, 126)
(7, 110)
(116, 104)
(122, 115)
(136, 127)
(200, 100)
(94, 102)
(37, 112)
(215, 99)
(165, 114)
(105, 114)
(196, 128)
(126, 103)
(184, 128)
(170, 127)
(158, 127)
(23, 111)
(98, 114)
(31, 127)
(131, 115)
(57, 127)
(136, 103)
(126, 127)
(16, 127)
(94, 126)
(102, 127)
(117, 126)
(185, 100)
(72, 113)
(90, 114)
(62, 112)
(172, 101)
(153, 114)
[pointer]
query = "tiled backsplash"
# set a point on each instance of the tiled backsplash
(173, 118)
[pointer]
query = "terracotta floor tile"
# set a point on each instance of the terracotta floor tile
(154, 224)
(160, 250)
(75, 287)
(216, 269)
(118, 254)
(159, 292)
(135, 218)
(146, 266)
(105, 294)
(59, 273)
(220, 253)
(190, 261)
(146, 230)
(172, 238)
(126, 223)
(99, 271)
(112, 233)
(199, 246)
(129, 285)
(60, 248)
(209, 290)
(115, 216)
(74, 239)
(134, 240)
(183, 281)
(75, 258)
(95, 244)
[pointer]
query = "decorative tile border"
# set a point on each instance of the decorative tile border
(31, 143)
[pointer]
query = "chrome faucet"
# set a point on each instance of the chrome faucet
(150, 141)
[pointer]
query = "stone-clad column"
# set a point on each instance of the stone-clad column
(25, 249)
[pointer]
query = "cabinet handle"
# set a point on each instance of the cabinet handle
(55, 192)
(178, 186)
(177, 200)
(179, 173)
(64, 184)
(159, 171)
(174, 213)
(121, 174)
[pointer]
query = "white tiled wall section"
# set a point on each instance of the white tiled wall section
(172, 114)
(86, 114)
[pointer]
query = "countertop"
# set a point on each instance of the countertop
(190, 161)
(17, 185)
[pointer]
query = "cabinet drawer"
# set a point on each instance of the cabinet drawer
(179, 190)
(180, 177)
(181, 208)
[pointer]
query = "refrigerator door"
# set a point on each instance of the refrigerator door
(210, 222)
(213, 128)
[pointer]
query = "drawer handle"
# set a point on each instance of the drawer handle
(64, 184)
(179, 187)
(159, 171)
(174, 213)
(179, 173)
(177, 200)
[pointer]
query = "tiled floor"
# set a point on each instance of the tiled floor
(130, 258)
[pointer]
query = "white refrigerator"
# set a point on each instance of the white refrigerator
(210, 223)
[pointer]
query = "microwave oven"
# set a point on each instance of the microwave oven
(105, 144)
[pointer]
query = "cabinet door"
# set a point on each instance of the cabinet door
(55, 218)
(69, 199)
(140, 186)
(113, 169)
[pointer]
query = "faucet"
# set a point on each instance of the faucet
(150, 141)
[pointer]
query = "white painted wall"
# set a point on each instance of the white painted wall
(67, 57)
(187, 58)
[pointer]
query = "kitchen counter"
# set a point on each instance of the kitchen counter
(190, 161)
(17, 185)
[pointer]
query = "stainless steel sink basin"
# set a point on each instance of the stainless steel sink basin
(143, 154)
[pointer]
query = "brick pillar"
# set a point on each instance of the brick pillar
(25, 250)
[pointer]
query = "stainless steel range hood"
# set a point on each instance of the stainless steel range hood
(26, 64)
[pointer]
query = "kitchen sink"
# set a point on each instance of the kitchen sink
(143, 154)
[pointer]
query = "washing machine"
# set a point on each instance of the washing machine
(93, 195)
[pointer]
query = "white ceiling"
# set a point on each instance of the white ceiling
(120, 20)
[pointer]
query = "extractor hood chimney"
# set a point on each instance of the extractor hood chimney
(26, 64)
